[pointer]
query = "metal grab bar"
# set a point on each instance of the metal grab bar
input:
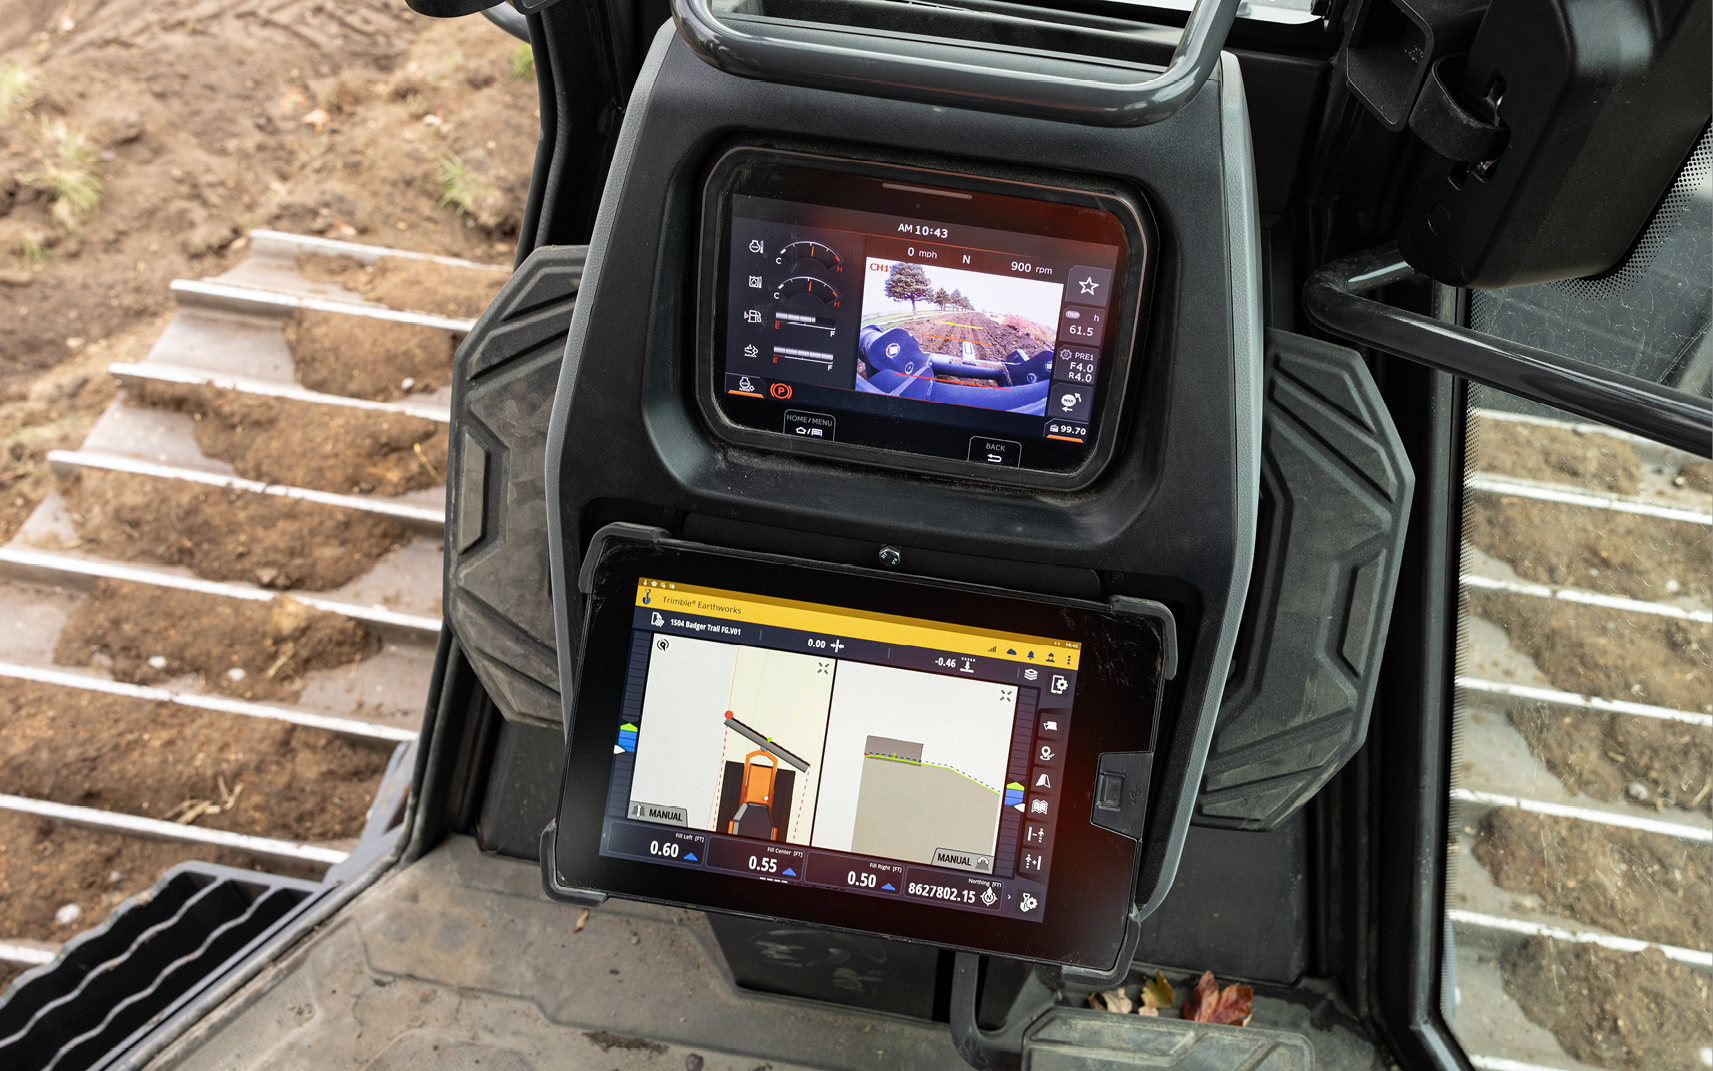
(1334, 301)
(945, 74)
(508, 18)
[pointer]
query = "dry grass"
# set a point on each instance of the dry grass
(461, 189)
(67, 174)
(17, 89)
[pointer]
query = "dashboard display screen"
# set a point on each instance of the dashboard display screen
(812, 745)
(842, 748)
(880, 309)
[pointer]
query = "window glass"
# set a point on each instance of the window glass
(1579, 910)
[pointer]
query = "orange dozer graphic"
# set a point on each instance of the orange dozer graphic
(754, 817)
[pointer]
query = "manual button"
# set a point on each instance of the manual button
(986, 451)
(809, 425)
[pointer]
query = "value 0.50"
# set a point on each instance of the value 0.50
(860, 881)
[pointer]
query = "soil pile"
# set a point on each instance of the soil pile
(1636, 1011)
(1590, 650)
(363, 358)
(1556, 455)
(1595, 549)
(1623, 881)
(45, 865)
(150, 759)
(324, 447)
(407, 284)
(252, 650)
(1650, 760)
(1032, 337)
(270, 540)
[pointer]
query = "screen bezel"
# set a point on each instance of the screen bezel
(1125, 205)
(1117, 709)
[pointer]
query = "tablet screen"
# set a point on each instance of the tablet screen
(807, 744)
(841, 747)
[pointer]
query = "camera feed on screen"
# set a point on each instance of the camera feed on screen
(809, 745)
(949, 335)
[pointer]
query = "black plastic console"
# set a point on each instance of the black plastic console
(1170, 518)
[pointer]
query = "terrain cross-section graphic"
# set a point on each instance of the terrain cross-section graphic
(810, 749)
(697, 748)
(915, 763)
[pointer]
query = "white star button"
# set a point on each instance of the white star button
(1089, 285)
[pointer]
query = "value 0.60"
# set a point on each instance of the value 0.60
(664, 849)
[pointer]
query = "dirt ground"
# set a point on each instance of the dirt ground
(1696, 476)
(252, 650)
(1555, 455)
(1626, 881)
(55, 412)
(412, 285)
(945, 332)
(353, 123)
(139, 144)
(150, 759)
(362, 121)
(323, 447)
(1610, 1009)
(270, 540)
(1591, 650)
(1650, 760)
(363, 358)
(1594, 549)
(1635, 1011)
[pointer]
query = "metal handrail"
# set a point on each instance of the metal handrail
(509, 19)
(948, 74)
(1334, 301)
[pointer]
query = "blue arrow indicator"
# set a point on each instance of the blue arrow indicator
(888, 887)
(790, 873)
(690, 857)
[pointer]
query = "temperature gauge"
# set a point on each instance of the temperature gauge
(807, 286)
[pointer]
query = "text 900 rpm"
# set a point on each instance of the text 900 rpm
(942, 892)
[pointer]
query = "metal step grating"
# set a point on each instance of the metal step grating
(110, 986)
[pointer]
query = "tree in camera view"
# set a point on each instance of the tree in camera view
(908, 282)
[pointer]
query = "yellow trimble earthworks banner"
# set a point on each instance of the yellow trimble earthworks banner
(857, 624)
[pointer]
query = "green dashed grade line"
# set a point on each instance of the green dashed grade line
(936, 765)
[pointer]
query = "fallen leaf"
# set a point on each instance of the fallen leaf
(317, 118)
(1156, 994)
(1113, 1000)
(582, 919)
(1209, 1004)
